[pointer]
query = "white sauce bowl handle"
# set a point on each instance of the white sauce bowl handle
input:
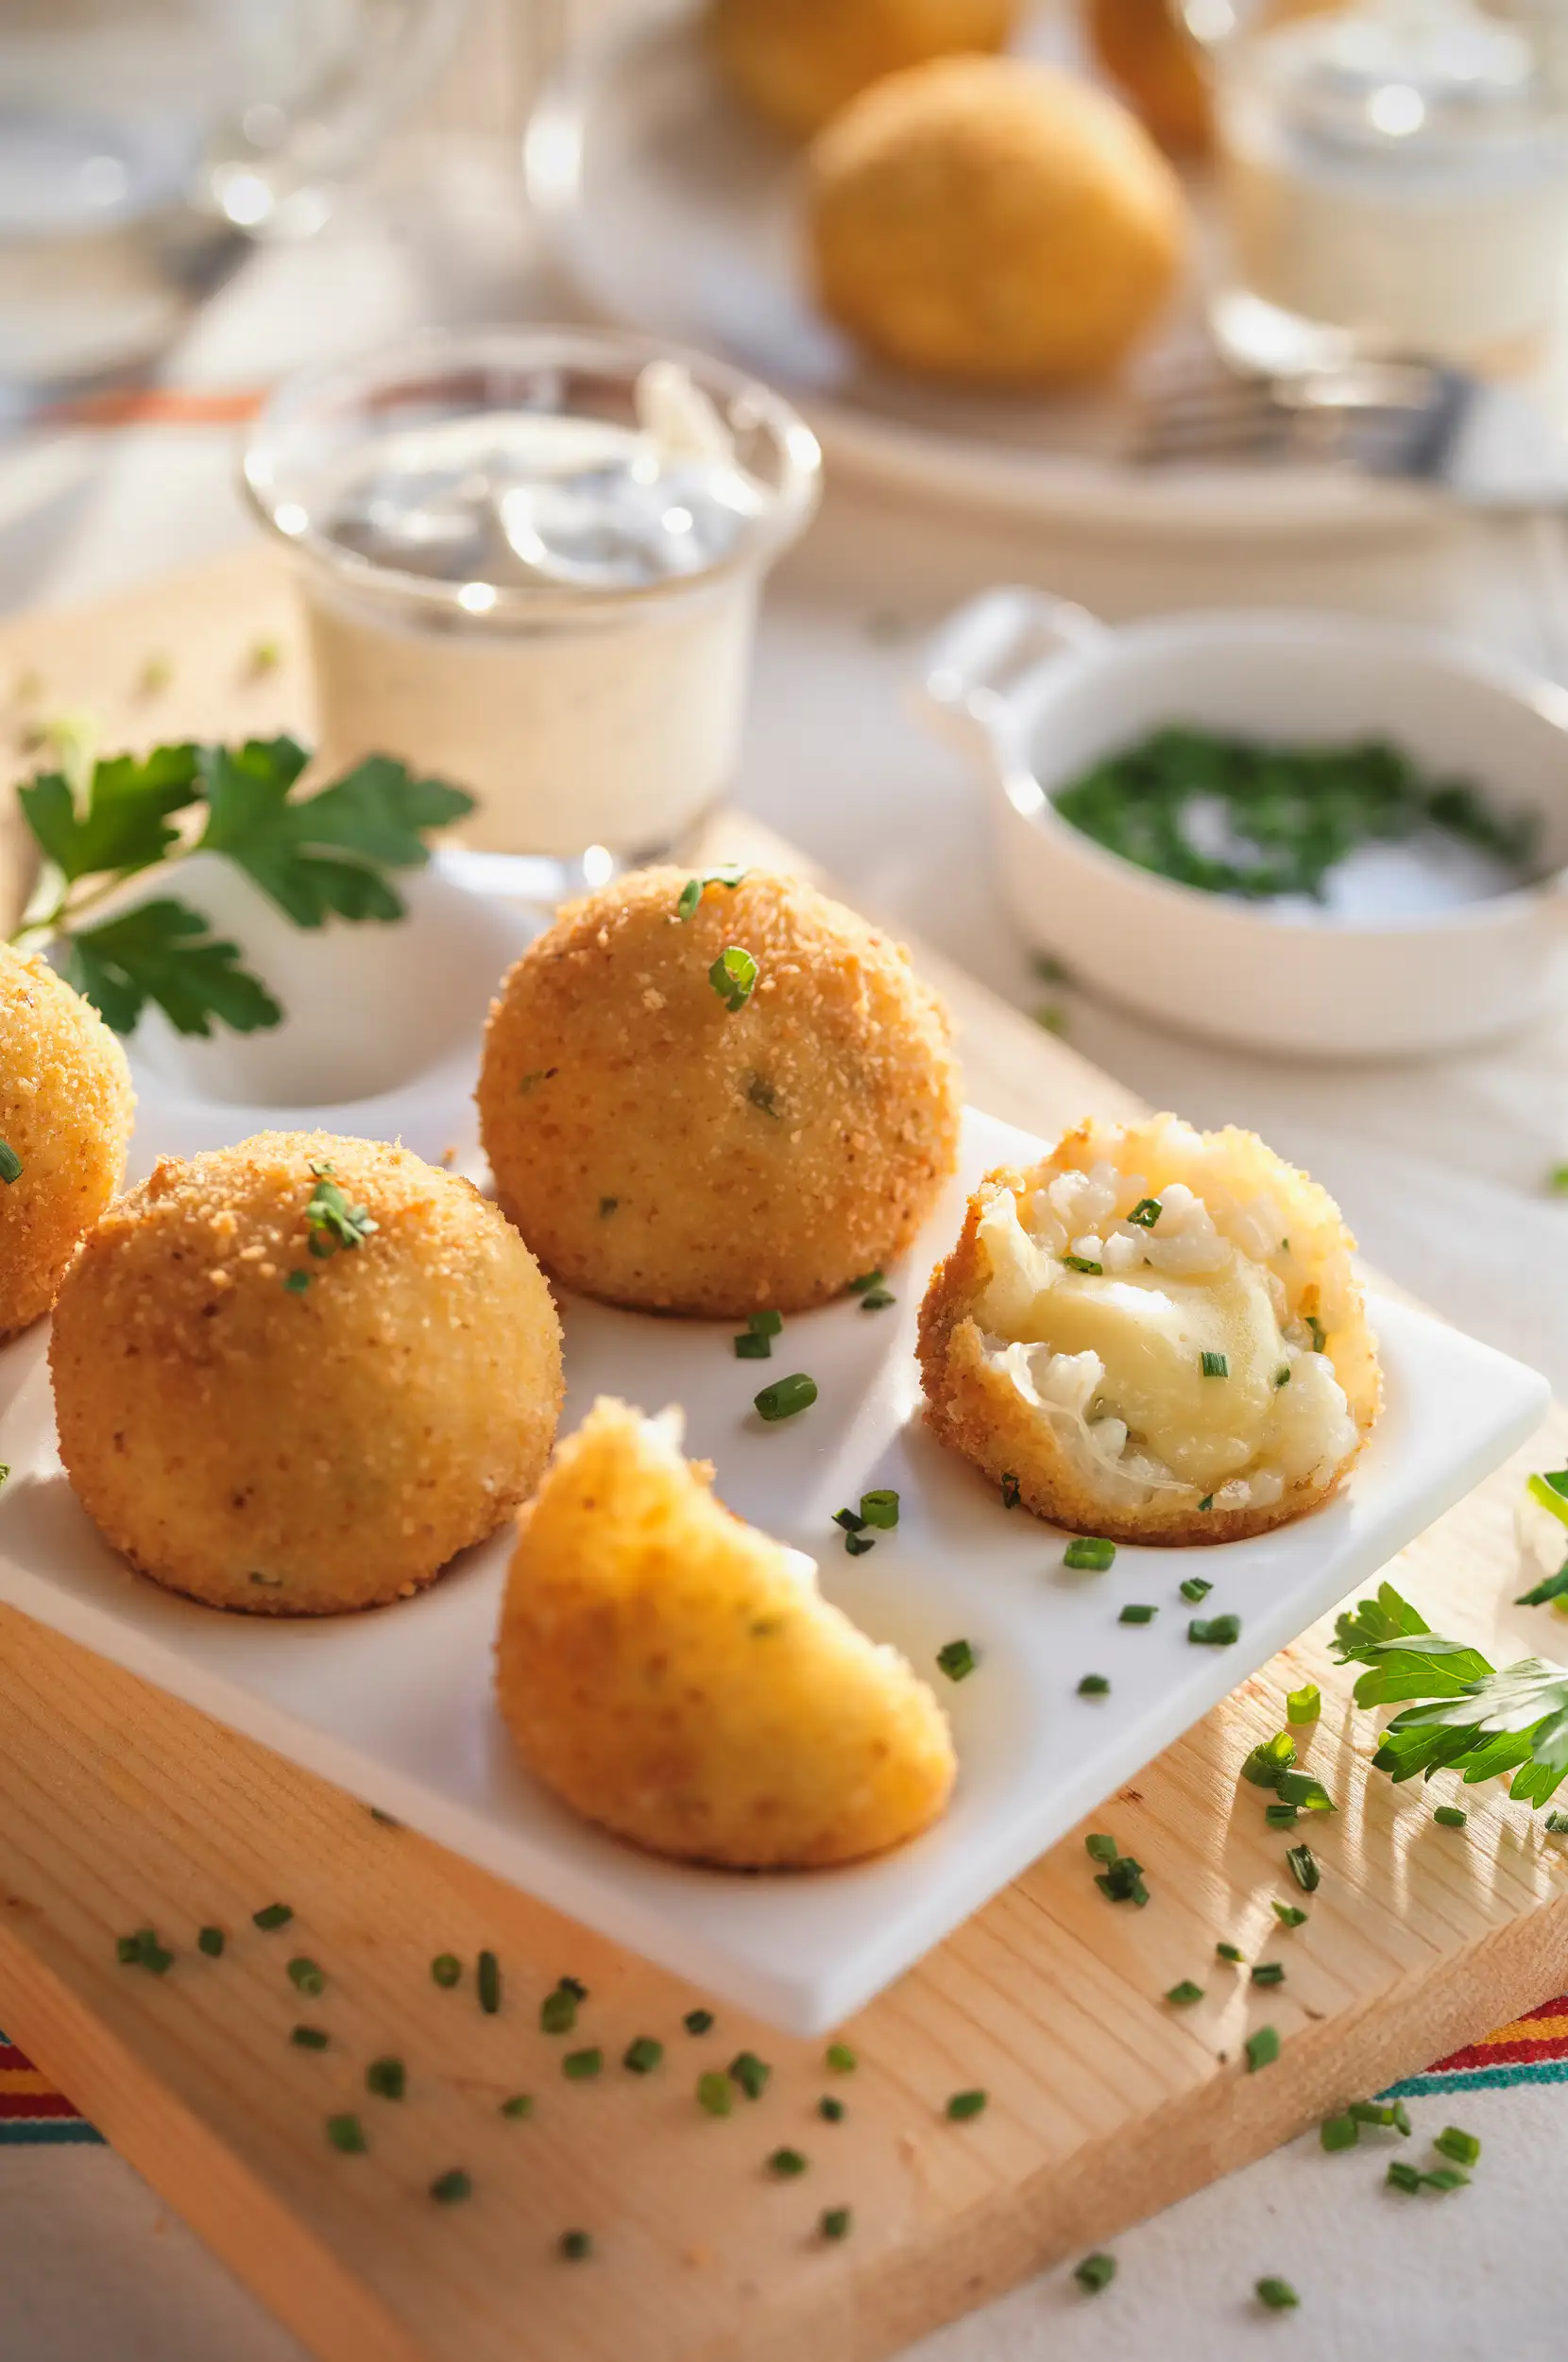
(977, 657)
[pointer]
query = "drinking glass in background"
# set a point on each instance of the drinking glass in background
(141, 139)
(1393, 177)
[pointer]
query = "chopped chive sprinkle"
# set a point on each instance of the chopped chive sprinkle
(787, 2163)
(1269, 1973)
(1084, 1262)
(1446, 2178)
(1089, 1553)
(1122, 1881)
(1282, 1376)
(835, 2222)
(877, 1300)
(1403, 2176)
(211, 1941)
(714, 2093)
(786, 1396)
(1557, 1824)
(829, 2109)
(1268, 1759)
(1214, 1631)
(751, 2073)
(1146, 1213)
(1282, 1816)
(840, 2059)
(446, 1968)
(956, 1658)
(574, 1985)
(1136, 1613)
(1011, 1495)
(386, 2078)
(964, 2105)
(1394, 2117)
(1215, 1364)
(520, 2104)
(1262, 2048)
(575, 2246)
(1193, 1588)
(580, 2066)
(309, 2038)
(1451, 1816)
(1304, 1868)
(1278, 2295)
(850, 1520)
(857, 1545)
(698, 2021)
(11, 1163)
(1464, 2147)
(449, 2189)
(307, 1976)
(1319, 1335)
(1301, 1787)
(867, 1280)
(388, 1820)
(1094, 1685)
(641, 2056)
(347, 2134)
(732, 976)
(750, 1347)
(1100, 1847)
(296, 1282)
(1094, 2273)
(691, 892)
(880, 1510)
(765, 1324)
(487, 1977)
(128, 1951)
(1339, 2133)
(1289, 1914)
(275, 1915)
(1207, 1501)
(558, 2011)
(1230, 1952)
(153, 1955)
(1185, 1994)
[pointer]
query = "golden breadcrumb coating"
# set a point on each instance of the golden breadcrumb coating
(657, 1148)
(1155, 62)
(302, 1449)
(1079, 1464)
(992, 221)
(66, 1109)
(797, 61)
(674, 1675)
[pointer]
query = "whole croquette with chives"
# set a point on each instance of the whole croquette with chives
(66, 1109)
(712, 1095)
(296, 1375)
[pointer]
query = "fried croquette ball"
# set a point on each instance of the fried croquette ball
(66, 1109)
(713, 1147)
(296, 1375)
(1157, 1332)
(798, 61)
(1147, 52)
(676, 1676)
(992, 222)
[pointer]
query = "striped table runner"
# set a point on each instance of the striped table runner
(1534, 2049)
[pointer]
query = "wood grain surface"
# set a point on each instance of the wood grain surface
(120, 1809)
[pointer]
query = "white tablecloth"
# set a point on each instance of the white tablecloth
(1439, 1167)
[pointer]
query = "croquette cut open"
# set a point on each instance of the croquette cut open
(66, 1109)
(295, 1376)
(1155, 1334)
(712, 1097)
(676, 1676)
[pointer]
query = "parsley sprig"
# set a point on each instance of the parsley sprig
(1473, 1718)
(98, 824)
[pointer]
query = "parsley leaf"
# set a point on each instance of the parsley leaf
(124, 825)
(165, 952)
(331, 1220)
(324, 853)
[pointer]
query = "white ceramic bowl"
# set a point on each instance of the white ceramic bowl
(1039, 690)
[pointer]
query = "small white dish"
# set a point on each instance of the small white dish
(398, 1705)
(1037, 691)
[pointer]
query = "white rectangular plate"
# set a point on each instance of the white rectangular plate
(396, 1706)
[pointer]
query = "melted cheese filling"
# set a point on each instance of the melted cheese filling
(1115, 1358)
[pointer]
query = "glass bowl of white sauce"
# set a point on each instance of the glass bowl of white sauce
(529, 560)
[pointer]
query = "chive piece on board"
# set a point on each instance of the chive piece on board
(211, 1941)
(558, 2011)
(1304, 1868)
(788, 2164)
(1185, 1994)
(307, 1974)
(1094, 2273)
(840, 2059)
(449, 2189)
(575, 2246)
(1303, 1705)
(698, 2021)
(1094, 1685)
(347, 2134)
(751, 2073)
(580, 2066)
(1193, 1588)
(835, 2221)
(1278, 2295)
(1262, 2048)
(1101, 1846)
(1339, 2133)
(641, 2056)
(786, 1397)
(829, 2109)
(1289, 1914)
(386, 2078)
(1214, 1631)
(964, 2105)
(275, 1915)
(956, 1658)
(487, 1977)
(520, 2104)
(1136, 1613)
(310, 2038)
(1450, 1816)
(446, 1968)
(1089, 1553)
(715, 2092)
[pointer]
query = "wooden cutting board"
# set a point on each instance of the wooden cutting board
(120, 1809)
